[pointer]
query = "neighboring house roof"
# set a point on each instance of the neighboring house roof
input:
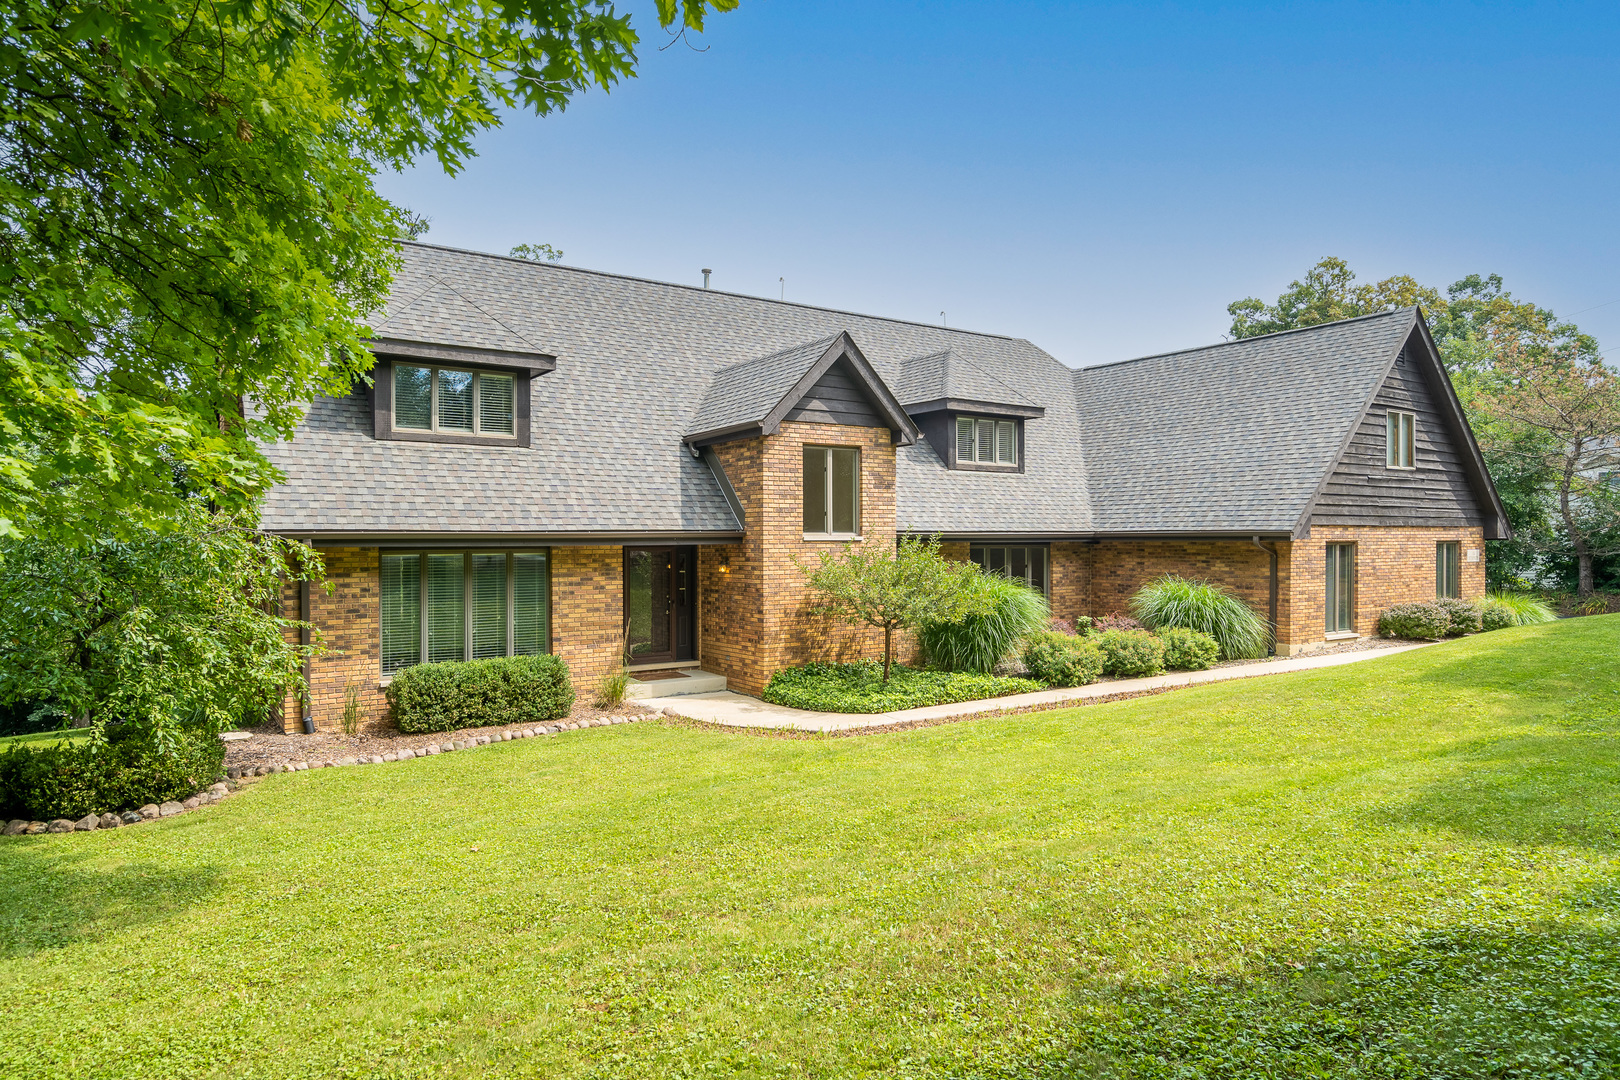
(1230, 439)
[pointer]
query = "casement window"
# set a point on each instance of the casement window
(1400, 440)
(1447, 573)
(464, 605)
(832, 492)
(1026, 564)
(452, 401)
(1341, 588)
(980, 441)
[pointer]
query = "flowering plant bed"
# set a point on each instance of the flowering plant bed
(859, 687)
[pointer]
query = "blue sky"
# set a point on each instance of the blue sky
(1101, 179)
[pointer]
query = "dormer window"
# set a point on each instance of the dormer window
(454, 401)
(984, 441)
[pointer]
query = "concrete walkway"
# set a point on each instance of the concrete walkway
(739, 710)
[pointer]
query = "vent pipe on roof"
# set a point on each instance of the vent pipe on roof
(706, 273)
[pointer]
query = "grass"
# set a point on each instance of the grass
(859, 687)
(1408, 867)
(46, 738)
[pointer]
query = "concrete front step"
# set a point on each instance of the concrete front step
(684, 682)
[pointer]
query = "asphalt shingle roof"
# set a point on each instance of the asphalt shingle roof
(1234, 437)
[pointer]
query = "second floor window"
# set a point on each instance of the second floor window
(986, 442)
(832, 491)
(1400, 440)
(453, 401)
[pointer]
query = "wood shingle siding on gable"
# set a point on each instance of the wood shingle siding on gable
(837, 398)
(1363, 490)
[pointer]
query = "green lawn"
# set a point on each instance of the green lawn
(1400, 868)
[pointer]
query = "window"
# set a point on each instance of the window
(986, 442)
(1400, 440)
(1447, 580)
(832, 491)
(462, 606)
(1026, 564)
(1341, 588)
(453, 402)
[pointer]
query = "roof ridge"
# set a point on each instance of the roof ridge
(1247, 340)
(714, 292)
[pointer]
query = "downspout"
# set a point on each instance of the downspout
(1272, 551)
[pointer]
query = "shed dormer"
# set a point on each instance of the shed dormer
(974, 421)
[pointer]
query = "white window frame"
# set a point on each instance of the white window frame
(1400, 439)
(995, 427)
(433, 403)
(467, 600)
(827, 495)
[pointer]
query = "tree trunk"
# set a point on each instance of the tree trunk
(888, 647)
(1583, 551)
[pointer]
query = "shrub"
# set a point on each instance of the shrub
(1058, 659)
(1187, 650)
(1461, 616)
(1056, 625)
(1004, 612)
(1206, 607)
(1424, 621)
(128, 771)
(1115, 621)
(477, 693)
(1130, 653)
(859, 687)
(1502, 609)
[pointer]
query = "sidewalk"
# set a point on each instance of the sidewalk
(738, 710)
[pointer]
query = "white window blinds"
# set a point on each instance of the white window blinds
(461, 606)
(401, 615)
(986, 442)
(488, 605)
(454, 402)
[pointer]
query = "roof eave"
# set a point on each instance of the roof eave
(982, 408)
(535, 363)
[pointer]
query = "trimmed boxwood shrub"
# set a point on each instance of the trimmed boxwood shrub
(1059, 659)
(1131, 653)
(1423, 621)
(859, 687)
(478, 693)
(1187, 650)
(70, 780)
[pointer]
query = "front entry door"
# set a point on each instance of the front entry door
(660, 584)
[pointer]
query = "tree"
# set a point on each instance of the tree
(173, 630)
(190, 238)
(1327, 293)
(893, 589)
(536, 252)
(1559, 414)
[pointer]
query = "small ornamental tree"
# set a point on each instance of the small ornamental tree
(169, 631)
(893, 589)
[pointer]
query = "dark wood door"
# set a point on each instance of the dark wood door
(660, 592)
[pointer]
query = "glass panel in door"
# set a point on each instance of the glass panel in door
(647, 605)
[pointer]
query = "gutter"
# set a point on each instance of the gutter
(1272, 551)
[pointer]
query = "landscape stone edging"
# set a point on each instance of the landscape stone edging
(234, 776)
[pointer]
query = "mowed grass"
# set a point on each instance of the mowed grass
(1403, 867)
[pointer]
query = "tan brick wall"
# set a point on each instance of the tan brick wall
(755, 617)
(1393, 566)
(1120, 567)
(347, 619)
(1070, 587)
(587, 612)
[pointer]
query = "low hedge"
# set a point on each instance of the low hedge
(1059, 659)
(1188, 650)
(1462, 617)
(1419, 621)
(1131, 653)
(859, 687)
(479, 693)
(70, 780)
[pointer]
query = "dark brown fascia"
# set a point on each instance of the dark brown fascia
(1092, 537)
(977, 408)
(535, 363)
(506, 541)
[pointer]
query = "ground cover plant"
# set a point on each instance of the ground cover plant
(1407, 867)
(860, 687)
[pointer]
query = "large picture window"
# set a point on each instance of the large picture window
(462, 606)
(1341, 588)
(832, 491)
(986, 442)
(1447, 574)
(454, 402)
(1022, 563)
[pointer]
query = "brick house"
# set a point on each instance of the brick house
(557, 460)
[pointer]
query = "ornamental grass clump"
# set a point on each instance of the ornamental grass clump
(1503, 609)
(1187, 650)
(1128, 654)
(1059, 659)
(1003, 613)
(1206, 607)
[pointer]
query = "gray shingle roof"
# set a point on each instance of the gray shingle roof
(1230, 438)
(1234, 437)
(744, 393)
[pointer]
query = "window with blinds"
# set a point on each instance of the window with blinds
(981, 441)
(1021, 563)
(453, 401)
(1447, 572)
(1341, 588)
(438, 606)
